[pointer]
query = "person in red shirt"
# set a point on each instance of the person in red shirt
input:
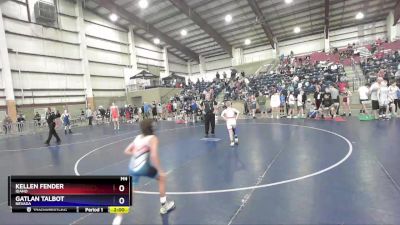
(114, 111)
(169, 109)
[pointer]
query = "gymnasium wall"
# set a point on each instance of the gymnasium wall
(108, 55)
(148, 55)
(177, 66)
(46, 62)
(338, 38)
(43, 71)
(2, 93)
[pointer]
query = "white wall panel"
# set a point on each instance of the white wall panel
(149, 61)
(50, 100)
(44, 64)
(66, 7)
(223, 63)
(106, 33)
(146, 44)
(178, 68)
(103, 44)
(219, 57)
(365, 40)
(46, 81)
(44, 93)
(14, 10)
(303, 45)
(108, 93)
(105, 69)
(106, 56)
(362, 34)
(195, 68)
(40, 46)
(67, 23)
(149, 54)
(107, 83)
(96, 19)
(172, 58)
(1, 84)
(39, 31)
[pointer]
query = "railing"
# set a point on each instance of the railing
(133, 87)
(36, 126)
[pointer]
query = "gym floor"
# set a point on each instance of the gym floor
(282, 172)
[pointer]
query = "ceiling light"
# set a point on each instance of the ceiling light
(113, 17)
(247, 42)
(360, 16)
(228, 18)
(156, 41)
(183, 32)
(297, 30)
(143, 4)
(288, 1)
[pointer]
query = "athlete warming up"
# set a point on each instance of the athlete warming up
(145, 162)
(115, 115)
(230, 115)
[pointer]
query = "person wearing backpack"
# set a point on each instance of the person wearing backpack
(208, 106)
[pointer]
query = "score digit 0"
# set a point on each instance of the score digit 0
(121, 200)
(121, 188)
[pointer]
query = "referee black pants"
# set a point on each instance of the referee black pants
(209, 118)
(52, 131)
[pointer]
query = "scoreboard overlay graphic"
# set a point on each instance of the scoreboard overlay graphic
(69, 194)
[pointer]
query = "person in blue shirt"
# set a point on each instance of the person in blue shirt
(147, 110)
(66, 119)
(194, 110)
(283, 104)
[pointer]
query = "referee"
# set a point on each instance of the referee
(50, 118)
(208, 106)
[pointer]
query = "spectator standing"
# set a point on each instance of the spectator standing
(292, 105)
(317, 97)
(300, 104)
(373, 90)
(282, 98)
(253, 101)
(346, 102)
(261, 100)
(82, 115)
(383, 99)
(36, 119)
(160, 111)
(394, 94)
(89, 115)
(335, 99)
(327, 108)
(7, 122)
(275, 104)
(363, 92)
(20, 122)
